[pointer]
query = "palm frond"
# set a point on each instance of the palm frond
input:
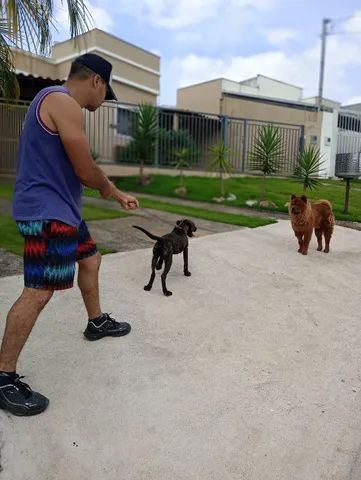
(80, 18)
(27, 24)
(9, 86)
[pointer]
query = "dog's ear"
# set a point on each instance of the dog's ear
(293, 196)
(304, 198)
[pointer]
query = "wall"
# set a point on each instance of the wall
(236, 87)
(269, 87)
(328, 148)
(35, 65)
(136, 72)
(132, 65)
(258, 110)
(204, 97)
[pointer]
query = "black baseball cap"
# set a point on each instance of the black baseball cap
(100, 66)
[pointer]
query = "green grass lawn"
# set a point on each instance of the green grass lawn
(184, 211)
(248, 188)
(94, 212)
(6, 190)
(205, 214)
(11, 240)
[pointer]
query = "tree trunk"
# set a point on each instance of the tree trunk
(304, 188)
(222, 185)
(181, 179)
(347, 195)
(141, 171)
(263, 189)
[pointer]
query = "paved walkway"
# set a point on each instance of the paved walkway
(250, 371)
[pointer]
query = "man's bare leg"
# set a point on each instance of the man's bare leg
(19, 323)
(88, 281)
(102, 325)
(16, 396)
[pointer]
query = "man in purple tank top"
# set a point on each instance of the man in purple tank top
(54, 162)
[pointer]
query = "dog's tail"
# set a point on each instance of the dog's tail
(150, 235)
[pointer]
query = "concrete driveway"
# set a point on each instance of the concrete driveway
(250, 371)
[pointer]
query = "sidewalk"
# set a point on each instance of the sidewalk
(250, 371)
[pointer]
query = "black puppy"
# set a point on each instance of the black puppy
(167, 246)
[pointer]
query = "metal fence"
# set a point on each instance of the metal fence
(12, 115)
(349, 133)
(110, 130)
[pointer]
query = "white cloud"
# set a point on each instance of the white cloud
(186, 38)
(280, 36)
(186, 13)
(354, 23)
(301, 69)
(101, 19)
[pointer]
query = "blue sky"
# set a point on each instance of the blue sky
(203, 39)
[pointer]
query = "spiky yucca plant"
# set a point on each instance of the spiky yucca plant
(220, 161)
(145, 134)
(309, 167)
(182, 155)
(267, 153)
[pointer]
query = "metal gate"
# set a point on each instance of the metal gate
(349, 133)
(242, 135)
(12, 116)
(110, 129)
(110, 134)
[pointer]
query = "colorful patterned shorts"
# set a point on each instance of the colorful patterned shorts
(51, 250)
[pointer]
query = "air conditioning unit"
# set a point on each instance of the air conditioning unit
(348, 165)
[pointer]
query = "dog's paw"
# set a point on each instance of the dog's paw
(148, 288)
(187, 274)
(168, 293)
(299, 250)
(326, 250)
(319, 249)
(304, 253)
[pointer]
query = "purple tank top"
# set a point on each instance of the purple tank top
(46, 186)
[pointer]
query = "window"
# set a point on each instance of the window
(124, 121)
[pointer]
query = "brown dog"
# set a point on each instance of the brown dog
(306, 216)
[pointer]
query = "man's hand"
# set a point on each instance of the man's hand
(128, 202)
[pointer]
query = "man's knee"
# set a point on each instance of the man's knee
(37, 297)
(91, 264)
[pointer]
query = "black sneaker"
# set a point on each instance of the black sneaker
(105, 326)
(18, 398)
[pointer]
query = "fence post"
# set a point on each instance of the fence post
(302, 139)
(156, 146)
(245, 141)
(224, 130)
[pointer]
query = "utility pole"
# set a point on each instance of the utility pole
(325, 24)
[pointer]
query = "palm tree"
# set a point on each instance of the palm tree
(145, 134)
(27, 24)
(220, 161)
(267, 153)
(309, 165)
(182, 162)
